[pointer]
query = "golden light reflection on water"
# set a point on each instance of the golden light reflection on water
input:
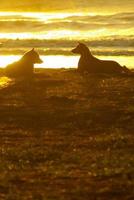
(48, 15)
(52, 61)
(5, 60)
(58, 32)
(17, 35)
(66, 34)
(61, 61)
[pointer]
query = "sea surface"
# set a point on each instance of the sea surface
(53, 35)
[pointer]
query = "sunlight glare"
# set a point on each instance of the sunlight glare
(4, 82)
(5, 60)
(61, 61)
(53, 61)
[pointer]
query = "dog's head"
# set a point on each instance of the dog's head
(32, 56)
(80, 48)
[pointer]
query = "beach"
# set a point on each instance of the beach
(66, 136)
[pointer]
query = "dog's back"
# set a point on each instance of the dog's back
(106, 66)
(25, 66)
(19, 68)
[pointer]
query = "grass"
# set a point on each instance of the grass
(65, 136)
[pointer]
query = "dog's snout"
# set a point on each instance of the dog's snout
(73, 50)
(40, 61)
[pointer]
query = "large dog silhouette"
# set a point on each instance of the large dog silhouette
(25, 66)
(91, 64)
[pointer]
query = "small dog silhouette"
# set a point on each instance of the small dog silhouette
(25, 66)
(91, 64)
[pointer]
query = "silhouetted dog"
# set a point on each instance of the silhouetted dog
(25, 66)
(91, 64)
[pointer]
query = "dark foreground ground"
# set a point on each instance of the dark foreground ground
(67, 137)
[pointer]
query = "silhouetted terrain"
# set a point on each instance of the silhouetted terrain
(64, 136)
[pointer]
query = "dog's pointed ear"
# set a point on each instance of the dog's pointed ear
(32, 49)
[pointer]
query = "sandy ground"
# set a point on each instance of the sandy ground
(64, 136)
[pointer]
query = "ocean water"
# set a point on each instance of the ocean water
(53, 35)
